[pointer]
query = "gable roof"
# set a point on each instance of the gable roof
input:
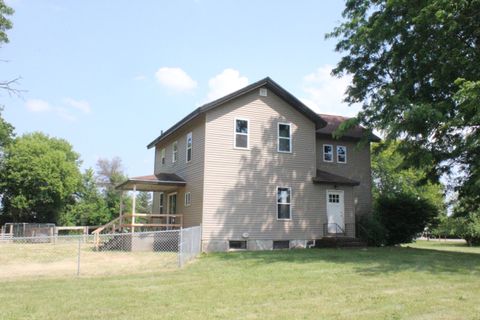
(267, 83)
(333, 121)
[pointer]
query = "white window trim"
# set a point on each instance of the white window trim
(189, 202)
(174, 153)
(168, 202)
(189, 135)
(243, 134)
(291, 203)
(289, 138)
(323, 152)
(161, 204)
(163, 154)
(342, 162)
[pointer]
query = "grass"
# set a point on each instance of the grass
(422, 281)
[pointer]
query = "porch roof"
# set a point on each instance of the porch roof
(330, 178)
(155, 182)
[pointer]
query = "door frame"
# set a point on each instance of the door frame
(171, 220)
(341, 194)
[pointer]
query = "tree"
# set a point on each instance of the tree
(416, 70)
(89, 207)
(6, 24)
(144, 202)
(6, 133)
(110, 174)
(38, 178)
(390, 177)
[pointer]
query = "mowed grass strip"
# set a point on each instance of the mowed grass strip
(374, 283)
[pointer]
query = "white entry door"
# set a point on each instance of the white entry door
(335, 211)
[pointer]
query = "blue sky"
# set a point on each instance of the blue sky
(108, 76)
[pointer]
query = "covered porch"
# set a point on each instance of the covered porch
(167, 218)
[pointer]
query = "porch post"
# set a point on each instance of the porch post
(134, 198)
(121, 211)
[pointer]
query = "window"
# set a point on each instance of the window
(174, 152)
(234, 244)
(161, 201)
(333, 198)
(284, 206)
(241, 133)
(341, 154)
(281, 244)
(327, 153)
(162, 156)
(284, 138)
(188, 199)
(189, 147)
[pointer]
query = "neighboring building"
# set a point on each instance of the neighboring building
(258, 169)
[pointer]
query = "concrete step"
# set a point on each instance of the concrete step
(339, 242)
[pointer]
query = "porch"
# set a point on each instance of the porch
(131, 222)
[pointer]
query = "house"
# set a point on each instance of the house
(257, 169)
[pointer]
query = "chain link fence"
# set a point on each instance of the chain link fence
(104, 254)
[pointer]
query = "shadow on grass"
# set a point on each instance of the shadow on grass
(369, 261)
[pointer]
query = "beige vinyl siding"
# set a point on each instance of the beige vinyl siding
(191, 172)
(357, 168)
(240, 185)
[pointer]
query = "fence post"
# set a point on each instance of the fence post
(180, 247)
(78, 255)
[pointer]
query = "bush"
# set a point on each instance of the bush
(468, 228)
(371, 230)
(403, 216)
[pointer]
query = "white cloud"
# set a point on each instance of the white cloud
(65, 114)
(224, 83)
(81, 105)
(38, 105)
(175, 79)
(325, 93)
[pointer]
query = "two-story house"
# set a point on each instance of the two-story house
(257, 169)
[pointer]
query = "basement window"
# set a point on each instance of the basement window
(281, 244)
(237, 244)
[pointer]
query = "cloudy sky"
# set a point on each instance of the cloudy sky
(108, 76)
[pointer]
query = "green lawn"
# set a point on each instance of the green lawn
(423, 281)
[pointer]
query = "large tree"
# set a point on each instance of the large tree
(415, 68)
(6, 24)
(38, 178)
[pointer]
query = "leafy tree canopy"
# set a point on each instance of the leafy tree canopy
(415, 67)
(391, 177)
(5, 24)
(38, 178)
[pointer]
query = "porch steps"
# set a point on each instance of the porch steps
(339, 242)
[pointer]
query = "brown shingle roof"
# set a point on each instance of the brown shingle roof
(152, 182)
(267, 83)
(333, 121)
(330, 178)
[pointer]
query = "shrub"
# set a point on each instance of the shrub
(371, 230)
(403, 216)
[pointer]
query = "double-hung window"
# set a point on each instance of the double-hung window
(189, 147)
(188, 199)
(341, 154)
(241, 133)
(174, 152)
(284, 204)
(162, 156)
(284, 143)
(327, 153)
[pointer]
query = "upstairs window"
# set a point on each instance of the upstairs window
(241, 133)
(284, 205)
(284, 143)
(174, 152)
(341, 154)
(327, 153)
(189, 147)
(162, 157)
